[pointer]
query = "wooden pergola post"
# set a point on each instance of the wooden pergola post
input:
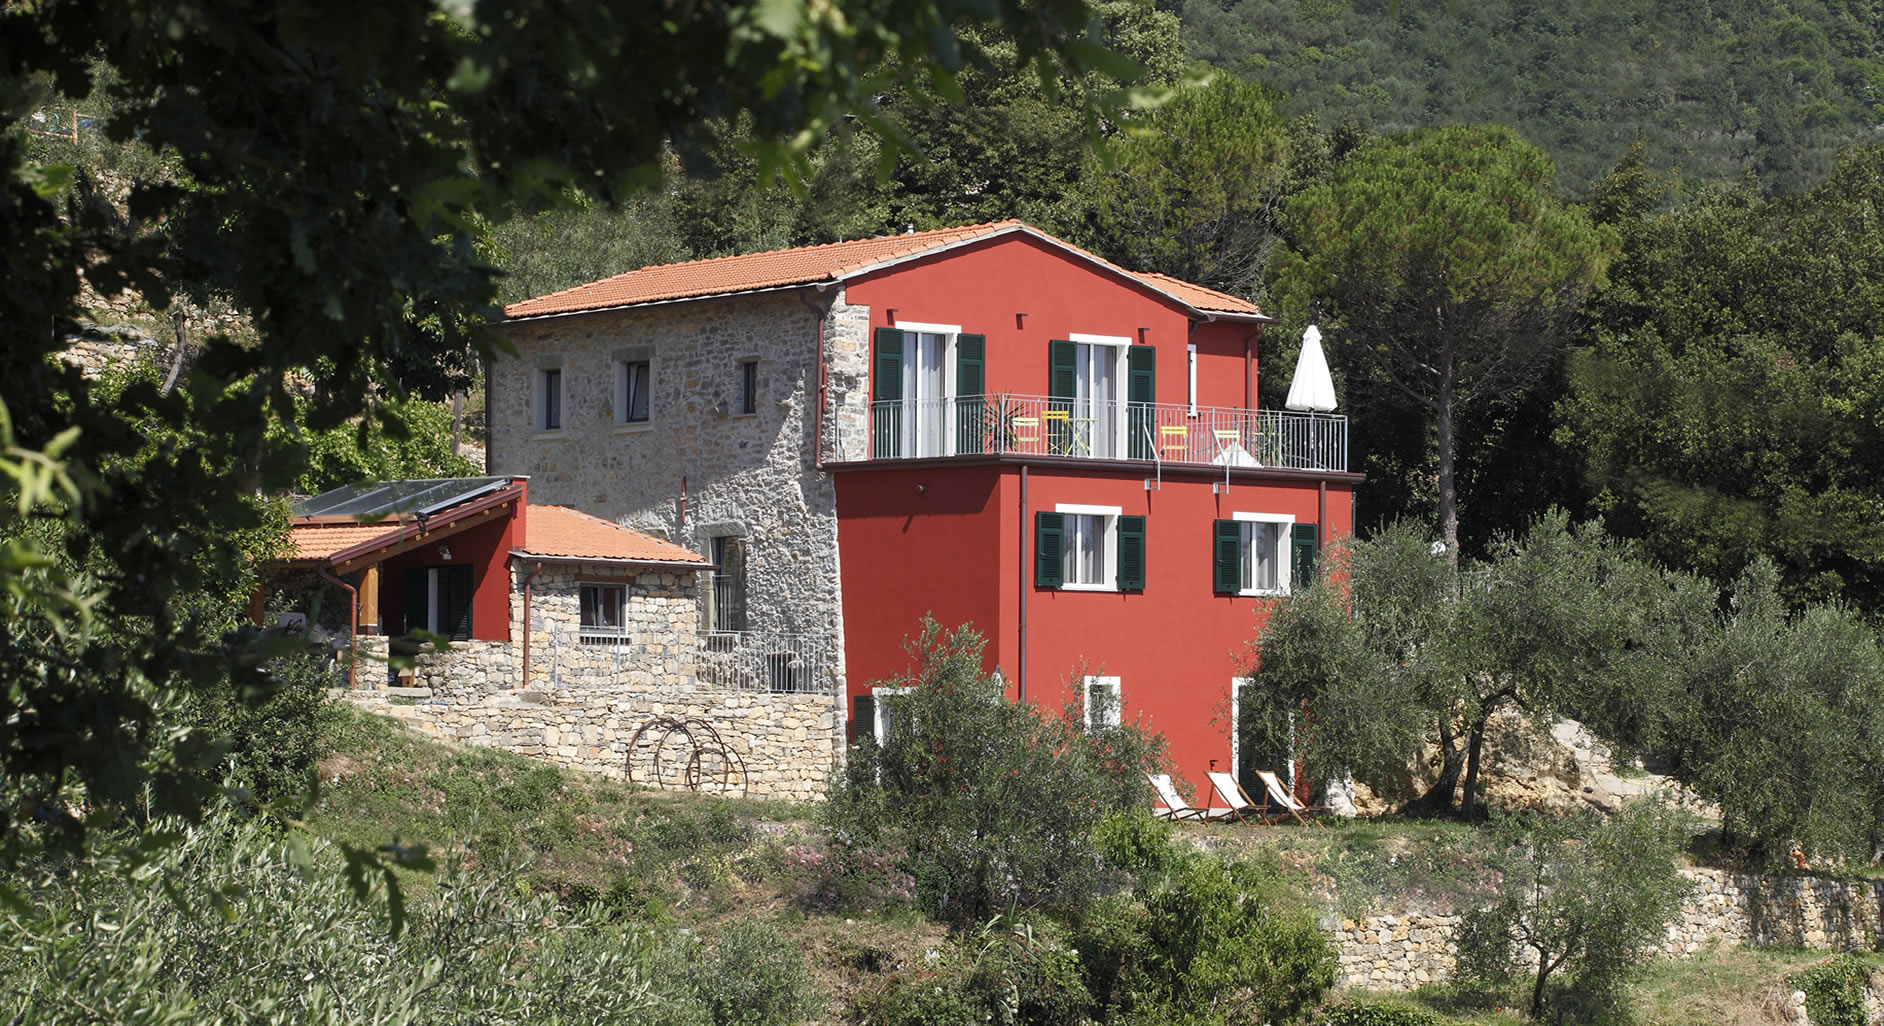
(369, 599)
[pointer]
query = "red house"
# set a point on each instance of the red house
(983, 424)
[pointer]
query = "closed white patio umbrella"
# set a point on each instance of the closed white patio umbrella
(1312, 389)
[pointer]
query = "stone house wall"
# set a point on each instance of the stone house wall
(699, 469)
(1404, 951)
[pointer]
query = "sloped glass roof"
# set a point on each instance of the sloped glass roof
(395, 499)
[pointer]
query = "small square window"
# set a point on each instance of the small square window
(748, 398)
(634, 386)
(549, 399)
(603, 609)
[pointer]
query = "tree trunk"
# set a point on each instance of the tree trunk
(1438, 798)
(1537, 989)
(1448, 484)
(1468, 803)
(457, 420)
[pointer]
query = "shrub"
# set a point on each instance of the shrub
(273, 737)
(1369, 1013)
(755, 977)
(237, 924)
(994, 802)
(1007, 973)
(1214, 942)
(1834, 991)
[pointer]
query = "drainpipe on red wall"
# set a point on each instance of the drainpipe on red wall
(353, 628)
(817, 415)
(1321, 519)
(1023, 586)
(526, 624)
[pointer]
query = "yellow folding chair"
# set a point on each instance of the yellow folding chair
(1174, 441)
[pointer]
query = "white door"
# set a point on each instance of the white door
(1096, 406)
(925, 395)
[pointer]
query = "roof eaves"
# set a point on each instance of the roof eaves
(822, 282)
(678, 564)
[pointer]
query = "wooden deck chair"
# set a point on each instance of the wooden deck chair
(1174, 441)
(1280, 796)
(1175, 807)
(1232, 795)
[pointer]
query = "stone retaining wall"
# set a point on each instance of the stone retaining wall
(786, 742)
(1403, 951)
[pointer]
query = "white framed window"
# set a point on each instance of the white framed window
(634, 393)
(1103, 701)
(603, 611)
(746, 391)
(1089, 547)
(1264, 552)
(884, 703)
(1099, 394)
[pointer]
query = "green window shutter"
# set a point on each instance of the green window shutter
(1062, 378)
(1303, 548)
(1227, 557)
(415, 604)
(886, 421)
(863, 717)
(1131, 553)
(1049, 555)
(971, 380)
(1062, 389)
(1141, 390)
(457, 601)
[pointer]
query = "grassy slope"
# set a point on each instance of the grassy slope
(703, 861)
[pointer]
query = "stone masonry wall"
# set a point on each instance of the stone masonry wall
(786, 742)
(698, 469)
(662, 614)
(1401, 952)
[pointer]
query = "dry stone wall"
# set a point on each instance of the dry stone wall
(1403, 951)
(786, 742)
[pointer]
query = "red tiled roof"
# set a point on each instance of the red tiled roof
(1198, 296)
(560, 531)
(319, 541)
(809, 264)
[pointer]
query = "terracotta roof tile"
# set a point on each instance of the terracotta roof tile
(770, 269)
(560, 531)
(1197, 295)
(319, 541)
(810, 264)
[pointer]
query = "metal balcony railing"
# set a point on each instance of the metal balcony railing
(762, 661)
(1032, 425)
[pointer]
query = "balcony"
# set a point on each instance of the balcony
(1027, 425)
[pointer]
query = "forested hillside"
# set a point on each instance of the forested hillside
(1712, 87)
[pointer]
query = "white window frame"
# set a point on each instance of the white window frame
(1113, 717)
(1246, 550)
(1109, 547)
(601, 634)
(877, 706)
(622, 423)
(911, 368)
(539, 390)
(1121, 346)
(1237, 684)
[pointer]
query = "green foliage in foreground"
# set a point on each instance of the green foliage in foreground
(1834, 990)
(1584, 903)
(993, 801)
(237, 924)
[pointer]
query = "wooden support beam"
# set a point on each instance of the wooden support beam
(369, 600)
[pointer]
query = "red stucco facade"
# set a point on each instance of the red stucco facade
(954, 537)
